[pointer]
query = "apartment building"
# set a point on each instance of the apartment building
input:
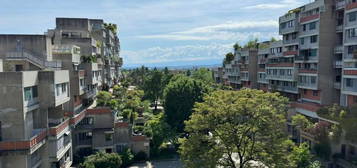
(314, 64)
(47, 88)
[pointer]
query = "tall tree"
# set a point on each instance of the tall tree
(236, 129)
(153, 87)
(180, 95)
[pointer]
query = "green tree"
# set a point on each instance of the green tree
(236, 46)
(158, 130)
(127, 157)
(301, 122)
(300, 156)
(252, 44)
(103, 98)
(102, 160)
(235, 128)
(229, 57)
(203, 74)
(153, 87)
(180, 95)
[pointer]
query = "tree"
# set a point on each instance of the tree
(103, 98)
(158, 130)
(102, 160)
(153, 87)
(236, 46)
(236, 129)
(301, 157)
(203, 74)
(127, 157)
(252, 44)
(180, 95)
(229, 57)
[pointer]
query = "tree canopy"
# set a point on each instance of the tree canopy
(102, 160)
(235, 129)
(179, 97)
(203, 74)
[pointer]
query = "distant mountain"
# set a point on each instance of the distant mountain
(179, 65)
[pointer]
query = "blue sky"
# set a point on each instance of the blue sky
(159, 32)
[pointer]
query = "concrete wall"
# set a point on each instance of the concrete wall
(327, 42)
(11, 111)
(38, 45)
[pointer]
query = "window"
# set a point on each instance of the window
(293, 36)
(313, 53)
(315, 93)
(64, 87)
(313, 79)
(312, 26)
(351, 32)
(302, 41)
(352, 16)
(313, 39)
(304, 27)
(305, 91)
(30, 93)
(81, 81)
(108, 136)
(349, 82)
(283, 25)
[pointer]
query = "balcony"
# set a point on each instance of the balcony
(307, 85)
(309, 71)
(37, 140)
(339, 28)
(58, 147)
(34, 59)
(57, 128)
(338, 64)
(280, 65)
(351, 40)
(352, 5)
(291, 41)
(309, 18)
(313, 107)
(67, 52)
(288, 53)
(289, 89)
(337, 85)
(90, 94)
(306, 58)
(340, 4)
(350, 56)
(338, 49)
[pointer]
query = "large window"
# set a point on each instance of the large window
(30, 93)
(352, 16)
(61, 89)
(313, 39)
(312, 26)
(349, 82)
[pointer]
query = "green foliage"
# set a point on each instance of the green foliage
(112, 27)
(180, 95)
(140, 156)
(89, 59)
(104, 98)
(102, 160)
(236, 46)
(158, 130)
(246, 125)
(154, 86)
(203, 74)
(127, 157)
(252, 44)
(273, 39)
(302, 122)
(300, 156)
(229, 57)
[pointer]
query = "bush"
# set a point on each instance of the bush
(102, 160)
(126, 157)
(140, 156)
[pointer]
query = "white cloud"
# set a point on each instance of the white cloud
(156, 55)
(227, 31)
(278, 5)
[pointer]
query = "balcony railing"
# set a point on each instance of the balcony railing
(340, 4)
(338, 64)
(309, 18)
(314, 71)
(58, 127)
(39, 61)
(306, 58)
(339, 49)
(352, 5)
(39, 135)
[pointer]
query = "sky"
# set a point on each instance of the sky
(159, 32)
